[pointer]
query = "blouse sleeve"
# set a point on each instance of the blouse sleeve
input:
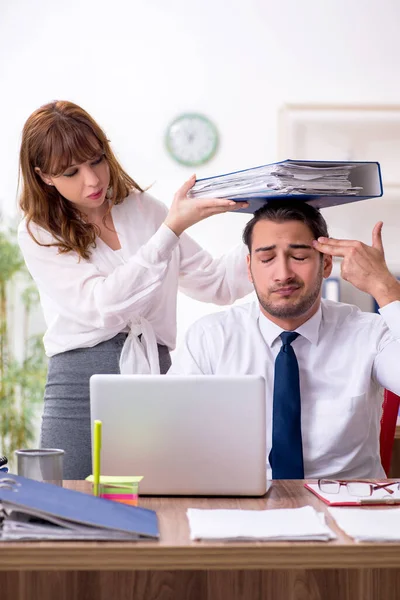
(85, 294)
(220, 280)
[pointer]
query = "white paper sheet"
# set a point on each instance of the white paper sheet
(369, 525)
(279, 524)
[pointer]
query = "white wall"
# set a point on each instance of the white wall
(134, 65)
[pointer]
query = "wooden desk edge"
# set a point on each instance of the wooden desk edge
(174, 555)
(110, 557)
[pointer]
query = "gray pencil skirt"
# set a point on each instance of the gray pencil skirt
(66, 413)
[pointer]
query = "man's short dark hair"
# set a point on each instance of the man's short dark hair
(281, 211)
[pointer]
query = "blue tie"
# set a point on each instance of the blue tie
(286, 456)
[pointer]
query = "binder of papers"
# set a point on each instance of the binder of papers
(35, 510)
(320, 183)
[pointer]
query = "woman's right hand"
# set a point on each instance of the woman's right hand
(185, 211)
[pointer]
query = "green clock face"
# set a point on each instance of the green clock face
(191, 139)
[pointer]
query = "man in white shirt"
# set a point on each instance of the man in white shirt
(345, 356)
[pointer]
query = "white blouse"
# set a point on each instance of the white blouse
(86, 302)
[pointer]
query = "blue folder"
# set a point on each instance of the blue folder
(46, 500)
(363, 174)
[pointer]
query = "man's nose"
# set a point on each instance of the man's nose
(283, 271)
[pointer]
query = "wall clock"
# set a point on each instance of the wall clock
(191, 139)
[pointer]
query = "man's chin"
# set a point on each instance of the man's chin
(285, 308)
(286, 312)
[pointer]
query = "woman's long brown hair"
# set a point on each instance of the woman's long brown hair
(55, 136)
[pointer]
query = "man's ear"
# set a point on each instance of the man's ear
(327, 265)
(43, 177)
(249, 275)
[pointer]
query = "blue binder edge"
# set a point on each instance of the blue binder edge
(317, 200)
(79, 507)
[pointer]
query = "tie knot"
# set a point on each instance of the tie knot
(288, 337)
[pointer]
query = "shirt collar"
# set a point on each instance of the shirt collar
(310, 329)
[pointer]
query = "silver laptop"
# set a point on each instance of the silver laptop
(187, 435)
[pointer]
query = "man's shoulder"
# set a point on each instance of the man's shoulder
(343, 314)
(233, 318)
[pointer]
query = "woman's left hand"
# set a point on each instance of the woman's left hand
(185, 211)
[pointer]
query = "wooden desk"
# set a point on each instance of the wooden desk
(176, 568)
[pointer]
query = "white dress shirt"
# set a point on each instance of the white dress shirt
(346, 357)
(134, 289)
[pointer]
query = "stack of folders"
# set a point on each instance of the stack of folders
(322, 183)
(35, 510)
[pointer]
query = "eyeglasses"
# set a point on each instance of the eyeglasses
(355, 488)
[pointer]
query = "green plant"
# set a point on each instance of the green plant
(22, 378)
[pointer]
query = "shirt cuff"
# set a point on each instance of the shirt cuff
(391, 314)
(165, 240)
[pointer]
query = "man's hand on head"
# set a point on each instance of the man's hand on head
(364, 266)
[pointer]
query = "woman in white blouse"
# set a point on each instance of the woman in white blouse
(107, 259)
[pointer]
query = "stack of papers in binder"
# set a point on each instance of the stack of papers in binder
(292, 178)
(322, 183)
(35, 510)
(22, 526)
